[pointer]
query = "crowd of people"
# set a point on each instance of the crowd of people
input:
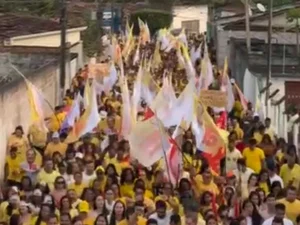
(49, 182)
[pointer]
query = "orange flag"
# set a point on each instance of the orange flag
(214, 142)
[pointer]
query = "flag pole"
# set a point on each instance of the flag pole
(163, 148)
(28, 81)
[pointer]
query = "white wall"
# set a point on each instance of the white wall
(186, 13)
(16, 108)
(51, 39)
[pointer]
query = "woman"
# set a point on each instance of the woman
(88, 195)
(188, 153)
(267, 146)
(11, 208)
(211, 220)
(25, 216)
(252, 185)
(101, 220)
(60, 189)
(111, 170)
(65, 207)
(276, 190)
(98, 207)
(255, 198)
(26, 188)
(18, 140)
(118, 213)
(127, 182)
(206, 201)
(44, 215)
(109, 200)
(251, 214)
(264, 181)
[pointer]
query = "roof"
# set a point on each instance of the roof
(12, 25)
(240, 23)
(257, 59)
(29, 60)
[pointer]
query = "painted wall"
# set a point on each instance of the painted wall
(51, 39)
(16, 110)
(186, 13)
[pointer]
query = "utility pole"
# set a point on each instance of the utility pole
(270, 31)
(99, 24)
(112, 27)
(247, 22)
(63, 24)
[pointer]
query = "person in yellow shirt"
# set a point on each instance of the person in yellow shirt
(132, 218)
(55, 146)
(258, 135)
(292, 204)
(37, 138)
(18, 140)
(78, 184)
(290, 172)
(171, 201)
(44, 215)
(100, 180)
(254, 156)
(13, 173)
(47, 174)
(204, 182)
(56, 120)
(84, 209)
(236, 127)
(127, 182)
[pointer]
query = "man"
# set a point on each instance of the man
(232, 156)
(269, 211)
(89, 174)
(78, 184)
(175, 220)
(272, 174)
(292, 204)
(279, 214)
(270, 129)
(65, 219)
(53, 220)
(56, 146)
(254, 156)
(191, 219)
(30, 167)
(161, 215)
(48, 174)
(37, 138)
(277, 221)
(242, 173)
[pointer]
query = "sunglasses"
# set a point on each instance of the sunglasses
(60, 182)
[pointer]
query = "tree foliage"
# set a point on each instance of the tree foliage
(91, 39)
(43, 8)
(155, 20)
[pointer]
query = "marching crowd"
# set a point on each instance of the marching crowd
(49, 181)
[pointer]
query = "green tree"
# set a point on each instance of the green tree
(91, 39)
(43, 8)
(293, 16)
(155, 20)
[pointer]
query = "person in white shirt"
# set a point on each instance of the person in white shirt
(89, 174)
(272, 174)
(279, 214)
(161, 215)
(232, 156)
(242, 173)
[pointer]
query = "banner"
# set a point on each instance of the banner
(98, 70)
(213, 98)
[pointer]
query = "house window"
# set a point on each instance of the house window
(191, 26)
